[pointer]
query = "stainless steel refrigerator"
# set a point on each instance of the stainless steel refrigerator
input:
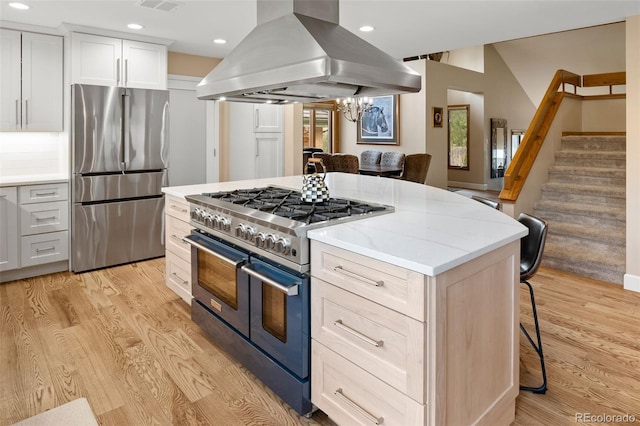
(120, 146)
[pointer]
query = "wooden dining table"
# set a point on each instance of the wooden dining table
(379, 170)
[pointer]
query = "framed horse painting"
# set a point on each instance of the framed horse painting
(379, 124)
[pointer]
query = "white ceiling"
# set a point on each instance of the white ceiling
(403, 28)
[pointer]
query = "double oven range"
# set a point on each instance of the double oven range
(251, 285)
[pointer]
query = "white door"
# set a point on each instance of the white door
(96, 60)
(145, 65)
(242, 145)
(268, 118)
(187, 134)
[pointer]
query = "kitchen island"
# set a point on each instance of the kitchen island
(415, 312)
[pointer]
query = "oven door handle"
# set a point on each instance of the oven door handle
(235, 263)
(291, 290)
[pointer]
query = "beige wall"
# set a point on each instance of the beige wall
(632, 278)
(604, 115)
(192, 65)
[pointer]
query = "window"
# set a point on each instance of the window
(318, 127)
(458, 133)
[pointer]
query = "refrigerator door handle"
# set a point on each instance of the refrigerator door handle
(126, 111)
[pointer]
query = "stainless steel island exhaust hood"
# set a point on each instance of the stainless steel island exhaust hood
(298, 52)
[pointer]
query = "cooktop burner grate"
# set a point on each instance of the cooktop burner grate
(288, 203)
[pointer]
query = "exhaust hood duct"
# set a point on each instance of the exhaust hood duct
(299, 53)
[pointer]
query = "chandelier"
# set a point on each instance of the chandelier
(353, 108)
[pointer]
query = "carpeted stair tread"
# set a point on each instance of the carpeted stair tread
(608, 234)
(585, 270)
(589, 171)
(609, 191)
(606, 143)
(591, 210)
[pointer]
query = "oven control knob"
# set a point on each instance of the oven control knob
(196, 214)
(270, 242)
(217, 222)
(226, 224)
(207, 219)
(240, 230)
(261, 239)
(283, 246)
(249, 233)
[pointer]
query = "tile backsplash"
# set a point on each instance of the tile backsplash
(29, 154)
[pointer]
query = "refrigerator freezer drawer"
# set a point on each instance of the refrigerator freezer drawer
(118, 186)
(114, 233)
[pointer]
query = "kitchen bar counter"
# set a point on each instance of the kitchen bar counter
(431, 231)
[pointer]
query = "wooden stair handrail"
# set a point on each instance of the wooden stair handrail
(525, 156)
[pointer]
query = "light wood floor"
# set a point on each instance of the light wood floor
(124, 341)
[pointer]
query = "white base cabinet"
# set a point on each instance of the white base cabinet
(36, 220)
(391, 346)
(177, 252)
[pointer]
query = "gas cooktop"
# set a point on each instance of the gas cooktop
(273, 221)
(288, 203)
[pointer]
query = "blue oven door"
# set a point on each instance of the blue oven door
(218, 281)
(280, 314)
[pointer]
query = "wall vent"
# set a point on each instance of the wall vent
(164, 5)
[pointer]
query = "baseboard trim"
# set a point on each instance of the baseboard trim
(34, 271)
(632, 282)
(468, 185)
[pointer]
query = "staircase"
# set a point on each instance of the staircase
(584, 205)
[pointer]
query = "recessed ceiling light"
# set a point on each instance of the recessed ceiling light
(20, 6)
(135, 26)
(222, 98)
(366, 28)
(219, 41)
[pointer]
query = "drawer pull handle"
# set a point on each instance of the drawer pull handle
(45, 194)
(41, 219)
(184, 282)
(40, 250)
(369, 340)
(366, 280)
(373, 419)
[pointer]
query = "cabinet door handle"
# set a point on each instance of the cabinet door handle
(118, 71)
(367, 339)
(45, 194)
(17, 112)
(371, 418)
(339, 269)
(126, 72)
(26, 112)
(257, 120)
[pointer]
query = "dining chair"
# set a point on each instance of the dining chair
(345, 163)
(392, 159)
(531, 248)
(370, 157)
(416, 167)
(327, 161)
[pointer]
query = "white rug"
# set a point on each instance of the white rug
(74, 413)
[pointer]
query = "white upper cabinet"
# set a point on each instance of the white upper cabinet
(31, 82)
(106, 61)
(268, 118)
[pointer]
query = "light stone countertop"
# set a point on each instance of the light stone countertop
(33, 179)
(431, 230)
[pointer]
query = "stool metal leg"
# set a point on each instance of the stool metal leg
(537, 347)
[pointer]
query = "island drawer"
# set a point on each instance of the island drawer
(177, 207)
(178, 276)
(176, 230)
(351, 396)
(387, 344)
(389, 285)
